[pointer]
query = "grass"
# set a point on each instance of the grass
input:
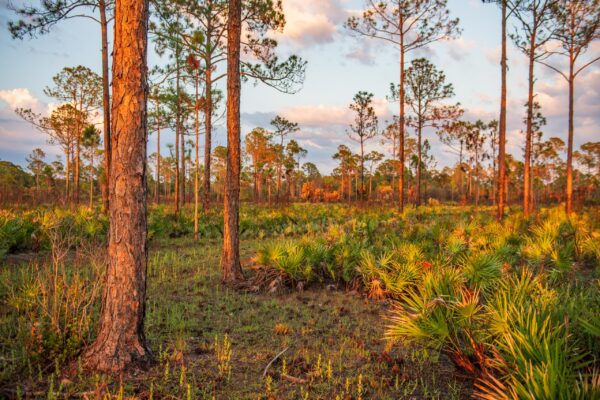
(356, 303)
(213, 342)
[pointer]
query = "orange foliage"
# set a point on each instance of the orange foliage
(313, 194)
(332, 196)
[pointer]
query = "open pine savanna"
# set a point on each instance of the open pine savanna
(214, 225)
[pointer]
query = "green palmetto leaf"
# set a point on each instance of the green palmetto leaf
(481, 270)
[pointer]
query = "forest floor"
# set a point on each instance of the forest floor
(212, 342)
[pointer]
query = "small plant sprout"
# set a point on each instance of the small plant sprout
(317, 370)
(182, 375)
(166, 374)
(223, 353)
(268, 382)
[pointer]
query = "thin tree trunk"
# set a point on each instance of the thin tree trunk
(157, 194)
(121, 342)
(197, 170)
(476, 178)
(183, 169)
(494, 175)
(208, 135)
(177, 130)
(401, 122)
(232, 270)
(362, 170)
(77, 162)
(67, 175)
(279, 168)
(419, 160)
(502, 123)
(569, 203)
(105, 101)
(92, 181)
(527, 162)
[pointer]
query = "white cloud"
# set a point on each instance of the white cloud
(327, 115)
(362, 51)
(310, 22)
(20, 98)
(459, 48)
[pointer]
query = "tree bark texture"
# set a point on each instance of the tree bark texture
(120, 342)
(105, 101)
(502, 124)
(230, 260)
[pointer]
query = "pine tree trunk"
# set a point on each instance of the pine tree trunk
(207, 135)
(77, 165)
(157, 194)
(279, 169)
(232, 270)
(120, 342)
(529, 133)
(105, 101)
(502, 124)
(183, 169)
(92, 182)
(401, 124)
(177, 130)
(67, 175)
(362, 170)
(476, 178)
(196, 169)
(419, 160)
(569, 203)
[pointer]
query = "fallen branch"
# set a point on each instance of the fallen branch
(273, 360)
(293, 379)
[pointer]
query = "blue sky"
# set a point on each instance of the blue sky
(339, 65)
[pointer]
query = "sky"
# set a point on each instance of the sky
(339, 65)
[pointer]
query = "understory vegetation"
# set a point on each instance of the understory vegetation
(357, 303)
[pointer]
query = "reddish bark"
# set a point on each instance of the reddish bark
(120, 342)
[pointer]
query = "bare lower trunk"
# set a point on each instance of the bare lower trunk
(177, 131)
(476, 179)
(207, 137)
(157, 194)
(105, 101)
(401, 127)
(529, 133)
(120, 342)
(92, 183)
(419, 160)
(278, 188)
(569, 203)
(77, 165)
(232, 270)
(183, 173)
(197, 170)
(67, 176)
(502, 124)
